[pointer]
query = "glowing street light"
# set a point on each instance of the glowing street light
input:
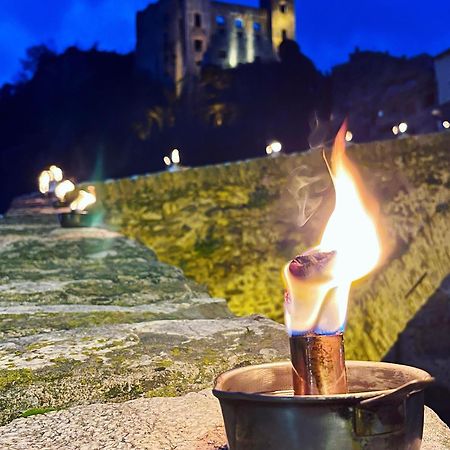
(446, 124)
(402, 127)
(395, 130)
(175, 156)
(173, 161)
(276, 147)
(348, 136)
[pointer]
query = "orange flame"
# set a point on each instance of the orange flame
(63, 188)
(45, 177)
(84, 199)
(321, 305)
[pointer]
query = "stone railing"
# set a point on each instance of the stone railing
(232, 227)
(104, 347)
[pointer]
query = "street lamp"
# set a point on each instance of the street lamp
(274, 148)
(402, 127)
(173, 161)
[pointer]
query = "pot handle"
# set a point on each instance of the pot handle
(398, 394)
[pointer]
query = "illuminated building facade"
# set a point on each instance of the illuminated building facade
(175, 38)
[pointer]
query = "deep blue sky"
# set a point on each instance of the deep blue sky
(327, 30)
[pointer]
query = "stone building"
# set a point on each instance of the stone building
(176, 37)
(442, 68)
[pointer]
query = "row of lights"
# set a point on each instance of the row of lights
(275, 147)
(400, 128)
(51, 182)
(173, 161)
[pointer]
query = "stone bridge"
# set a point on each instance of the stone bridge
(103, 346)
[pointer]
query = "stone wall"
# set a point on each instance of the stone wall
(233, 226)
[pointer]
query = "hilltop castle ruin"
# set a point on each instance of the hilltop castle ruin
(176, 37)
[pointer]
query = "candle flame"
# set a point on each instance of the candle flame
(63, 188)
(84, 199)
(57, 173)
(45, 178)
(320, 305)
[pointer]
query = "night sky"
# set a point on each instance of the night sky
(326, 30)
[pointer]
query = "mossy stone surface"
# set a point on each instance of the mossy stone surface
(87, 315)
(232, 227)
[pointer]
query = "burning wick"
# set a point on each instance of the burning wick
(318, 282)
(318, 359)
(83, 200)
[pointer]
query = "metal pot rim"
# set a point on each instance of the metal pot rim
(351, 398)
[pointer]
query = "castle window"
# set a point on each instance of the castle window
(283, 35)
(198, 45)
(222, 54)
(257, 26)
(239, 23)
(283, 8)
(220, 20)
(197, 20)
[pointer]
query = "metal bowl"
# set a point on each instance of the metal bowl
(383, 409)
(77, 219)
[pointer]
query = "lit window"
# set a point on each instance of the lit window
(257, 26)
(197, 20)
(198, 45)
(220, 20)
(283, 8)
(239, 23)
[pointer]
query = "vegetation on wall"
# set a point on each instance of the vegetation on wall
(233, 227)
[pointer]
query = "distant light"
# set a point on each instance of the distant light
(56, 172)
(44, 181)
(269, 149)
(348, 136)
(436, 112)
(395, 129)
(167, 161)
(276, 146)
(402, 127)
(64, 188)
(380, 113)
(175, 156)
(446, 124)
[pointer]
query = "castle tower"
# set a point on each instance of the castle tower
(281, 17)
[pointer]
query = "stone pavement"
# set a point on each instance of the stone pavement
(104, 347)
(191, 422)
